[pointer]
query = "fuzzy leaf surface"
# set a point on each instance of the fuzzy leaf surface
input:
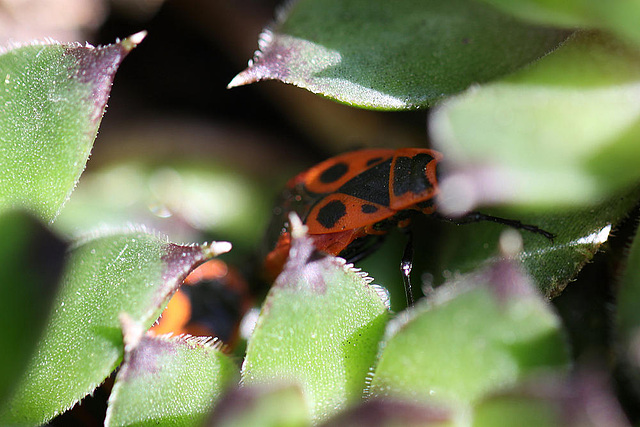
(53, 97)
(130, 271)
(396, 55)
(319, 327)
(468, 339)
(168, 381)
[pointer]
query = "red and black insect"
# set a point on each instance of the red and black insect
(211, 302)
(349, 200)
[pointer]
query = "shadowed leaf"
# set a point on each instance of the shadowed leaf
(628, 319)
(31, 260)
(584, 400)
(390, 413)
(276, 406)
(444, 250)
(579, 233)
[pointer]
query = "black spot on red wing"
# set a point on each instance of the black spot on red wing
(330, 214)
(372, 185)
(373, 161)
(409, 174)
(334, 173)
(368, 209)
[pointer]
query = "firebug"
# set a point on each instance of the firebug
(349, 201)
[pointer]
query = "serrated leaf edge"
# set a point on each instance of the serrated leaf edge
(128, 43)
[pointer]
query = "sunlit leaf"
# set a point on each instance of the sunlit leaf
(394, 55)
(167, 381)
(560, 133)
(130, 271)
(53, 97)
(619, 16)
(471, 337)
(319, 327)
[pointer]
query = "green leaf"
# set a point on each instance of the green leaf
(53, 99)
(169, 381)
(31, 260)
(553, 401)
(204, 194)
(618, 16)
(628, 315)
(562, 132)
(122, 271)
(319, 327)
(443, 250)
(628, 318)
(259, 406)
(579, 234)
(396, 55)
(391, 413)
(517, 410)
(471, 337)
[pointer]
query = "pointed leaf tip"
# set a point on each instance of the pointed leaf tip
(328, 321)
(376, 60)
(134, 40)
(133, 272)
(53, 94)
(169, 381)
(494, 310)
(217, 248)
(241, 79)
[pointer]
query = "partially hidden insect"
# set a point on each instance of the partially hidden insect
(211, 302)
(349, 201)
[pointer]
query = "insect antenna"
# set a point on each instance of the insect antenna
(477, 217)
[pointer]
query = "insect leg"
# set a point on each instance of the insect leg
(406, 264)
(362, 248)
